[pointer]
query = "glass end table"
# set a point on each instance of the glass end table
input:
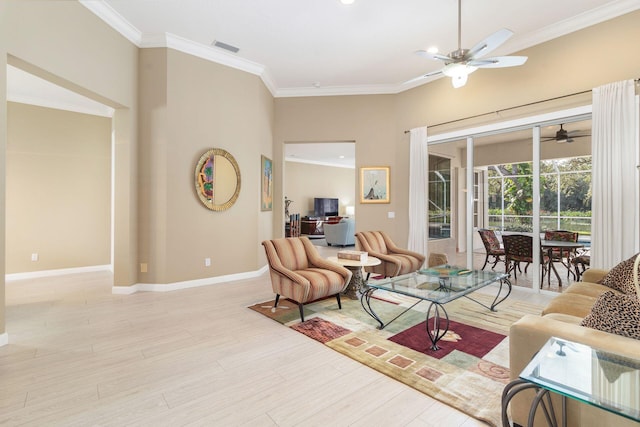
(577, 371)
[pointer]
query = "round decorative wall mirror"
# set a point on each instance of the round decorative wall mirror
(217, 179)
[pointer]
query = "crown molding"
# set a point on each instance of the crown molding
(116, 21)
(575, 23)
(202, 51)
(339, 90)
(120, 24)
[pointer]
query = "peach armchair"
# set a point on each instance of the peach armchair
(299, 273)
(395, 261)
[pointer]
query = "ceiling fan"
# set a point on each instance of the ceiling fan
(462, 62)
(562, 135)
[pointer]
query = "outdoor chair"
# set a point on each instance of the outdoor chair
(580, 263)
(560, 254)
(395, 261)
(492, 247)
(299, 273)
(519, 248)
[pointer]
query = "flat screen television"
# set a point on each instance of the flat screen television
(323, 206)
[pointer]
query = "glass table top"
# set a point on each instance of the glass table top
(439, 284)
(606, 380)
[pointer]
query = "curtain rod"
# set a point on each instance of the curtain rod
(513, 108)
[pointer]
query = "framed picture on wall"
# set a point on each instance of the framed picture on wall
(374, 184)
(266, 176)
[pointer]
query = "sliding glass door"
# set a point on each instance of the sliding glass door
(524, 179)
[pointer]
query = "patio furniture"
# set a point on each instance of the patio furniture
(559, 254)
(581, 263)
(492, 247)
(519, 248)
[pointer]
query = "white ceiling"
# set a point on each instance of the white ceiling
(338, 154)
(321, 47)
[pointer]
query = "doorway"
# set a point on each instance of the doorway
(59, 179)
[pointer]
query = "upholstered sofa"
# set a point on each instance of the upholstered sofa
(562, 318)
(340, 233)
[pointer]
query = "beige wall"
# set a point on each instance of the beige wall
(304, 182)
(555, 68)
(205, 105)
(188, 106)
(65, 43)
(58, 189)
(367, 120)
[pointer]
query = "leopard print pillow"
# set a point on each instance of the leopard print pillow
(615, 313)
(620, 277)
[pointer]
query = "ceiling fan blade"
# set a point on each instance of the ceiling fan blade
(499, 62)
(429, 55)
(424, 76)
(490, 43)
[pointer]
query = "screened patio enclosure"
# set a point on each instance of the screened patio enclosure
(521, 181)
(565, 196)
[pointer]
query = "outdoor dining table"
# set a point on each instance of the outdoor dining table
(550, 245)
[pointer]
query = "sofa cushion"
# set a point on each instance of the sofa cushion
(573, 304)
(615, 313)
(586, 288)
(620, 277)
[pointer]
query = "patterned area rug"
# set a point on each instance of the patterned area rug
(468, 372)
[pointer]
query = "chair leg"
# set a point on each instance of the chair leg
(277, 299)
(486, 259)
(339, 303)
(497, 260)
(300, 307)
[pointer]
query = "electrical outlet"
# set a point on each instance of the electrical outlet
(207, 262)
(391, 214)
(34, 256)
(143, 267)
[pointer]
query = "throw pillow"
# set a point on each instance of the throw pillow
(620, 277)
(615, 313)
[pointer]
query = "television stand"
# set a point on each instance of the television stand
(312, 226)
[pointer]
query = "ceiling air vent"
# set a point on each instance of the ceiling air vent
(225, 46)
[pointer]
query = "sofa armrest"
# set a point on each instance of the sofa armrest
(594, 275)
(529, 334)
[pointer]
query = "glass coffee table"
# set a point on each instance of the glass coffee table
(437, 285)
(596, 377)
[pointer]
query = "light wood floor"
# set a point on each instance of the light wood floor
(79, 355)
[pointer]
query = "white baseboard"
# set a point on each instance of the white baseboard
(57, 272)
(167, 287)
(4, 339)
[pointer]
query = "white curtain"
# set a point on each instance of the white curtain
(418, 180)
(614, 225)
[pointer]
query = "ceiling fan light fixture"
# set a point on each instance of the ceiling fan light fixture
(459, 73)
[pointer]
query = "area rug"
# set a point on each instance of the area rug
(469, 371)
